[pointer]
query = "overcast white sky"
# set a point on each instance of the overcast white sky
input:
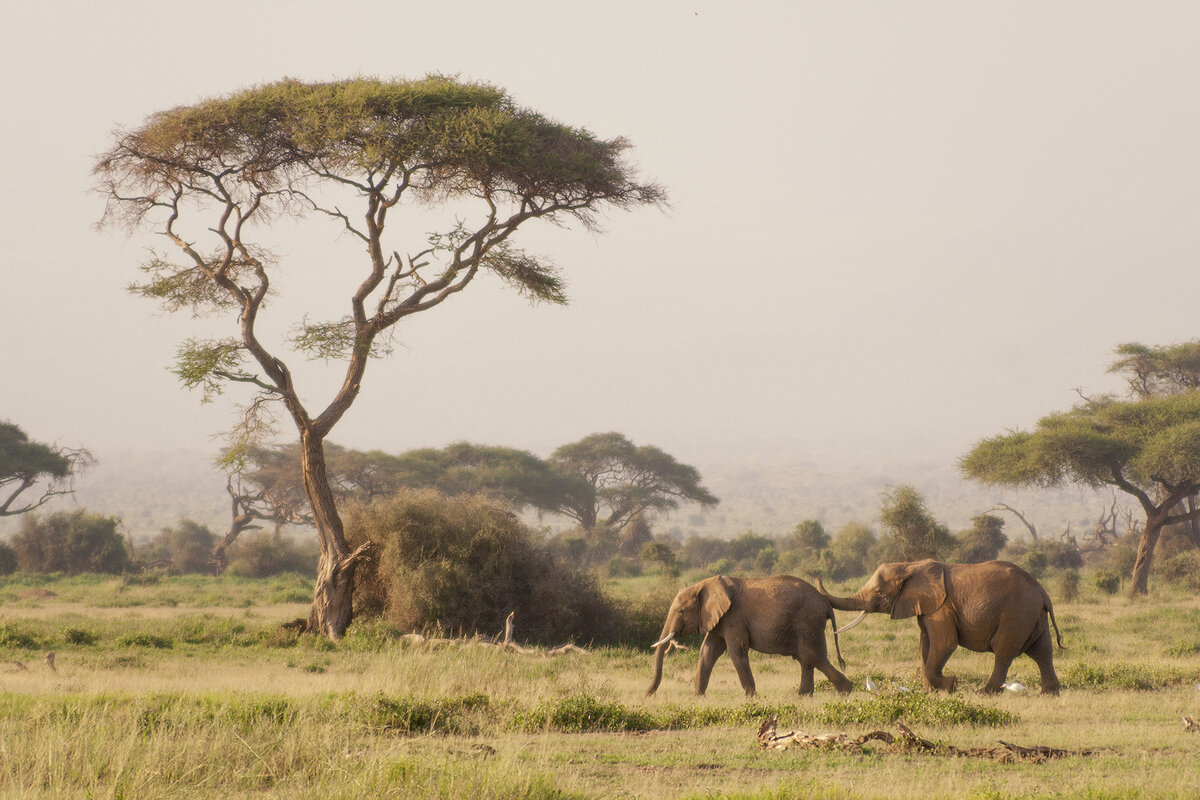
(895, 227)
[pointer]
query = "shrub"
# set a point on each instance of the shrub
(79, 636)
(264, 554)
(71, 542)
(1068, 586)
(1182, 569)
(463, 563)
(187, 548)
(1105, 581)
(411, 716)
(8, 560)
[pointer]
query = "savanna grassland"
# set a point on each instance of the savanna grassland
(189, 687)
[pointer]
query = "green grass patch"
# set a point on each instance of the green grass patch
(916, 708)
(1125, 676)
(415, 716)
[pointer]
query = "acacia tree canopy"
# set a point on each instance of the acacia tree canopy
(1148, 448)
(623, 480)
(213, 176)
(26, 465)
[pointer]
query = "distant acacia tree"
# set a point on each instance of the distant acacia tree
(27, 465)
(1147, 448)
(212, 176)
(617, 480)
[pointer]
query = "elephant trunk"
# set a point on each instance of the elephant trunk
(852, 603)
(660, 650)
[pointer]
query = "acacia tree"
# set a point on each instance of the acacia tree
(26, 465)
(617, 480)
(1149, 449)
(211, 177)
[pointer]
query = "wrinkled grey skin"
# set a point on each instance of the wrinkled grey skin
(779, 614)
(994, 607)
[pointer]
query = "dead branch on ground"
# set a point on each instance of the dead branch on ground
(906, 742)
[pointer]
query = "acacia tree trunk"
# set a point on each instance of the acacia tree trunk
(332, 608)
(1140, 581)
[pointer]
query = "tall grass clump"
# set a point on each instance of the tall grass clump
(461, 564)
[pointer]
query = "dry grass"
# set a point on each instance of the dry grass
(201, 704)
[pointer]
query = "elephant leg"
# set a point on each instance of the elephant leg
(938, 642)
(839, 681)
(740, 655)
(999, 674)
(806, 679)
(710, 650)
(1042, 652)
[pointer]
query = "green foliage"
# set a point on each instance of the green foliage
(26, 465)
(625, 479)
(700, 551)
(918, 708)
(583, 713)
(8, 559)
(851, 548)
(463, 563)
(983, 542)
(1106, 581)
(185, 547)
(662, 554)
(263, 554)
(911, 532)
(1182, 569)
(13, 635)
(1068, 586)
(1125, 676)
(455, 716)
(78, 636)
(70, 542)
(141, 639)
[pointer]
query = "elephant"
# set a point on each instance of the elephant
(992, 607)
(780, 615)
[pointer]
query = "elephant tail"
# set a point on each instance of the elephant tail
(836, 647)
(1057, 635)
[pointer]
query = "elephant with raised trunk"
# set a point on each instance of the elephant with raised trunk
(993, 607)
(780, 614)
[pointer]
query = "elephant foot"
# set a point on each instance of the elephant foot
(1050, 690)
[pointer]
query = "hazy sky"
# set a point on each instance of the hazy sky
(894, 227)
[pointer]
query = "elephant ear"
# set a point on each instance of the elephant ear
(715, 600)
(923, 592)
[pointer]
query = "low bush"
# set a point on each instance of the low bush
(412, 716)
(1182, 569)
(461, 564)
(1106, 581)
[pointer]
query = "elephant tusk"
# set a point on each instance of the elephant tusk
(857, 620)
(664, 640)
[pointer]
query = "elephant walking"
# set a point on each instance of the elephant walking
(993, 607)
(780, 615)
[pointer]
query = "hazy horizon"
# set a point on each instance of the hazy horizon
(893, 230)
